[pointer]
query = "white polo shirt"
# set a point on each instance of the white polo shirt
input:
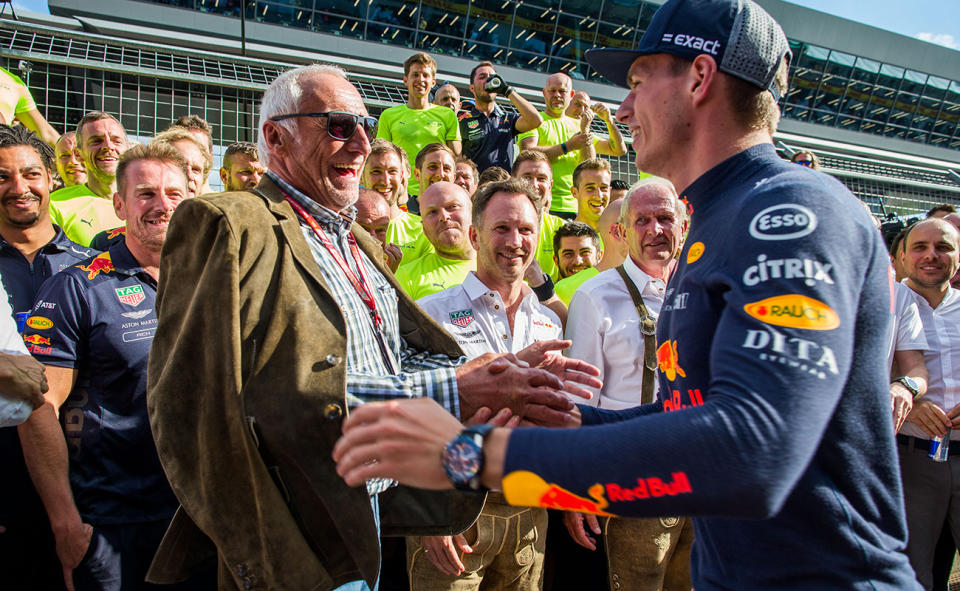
(941, 326)
(604, 326)
(906, 331)
(476, 317)
(12, 411)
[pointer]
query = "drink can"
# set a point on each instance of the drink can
(940, 448)
(22, 321)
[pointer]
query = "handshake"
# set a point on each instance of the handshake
(405, 439)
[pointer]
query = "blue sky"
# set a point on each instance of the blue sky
(937, 21)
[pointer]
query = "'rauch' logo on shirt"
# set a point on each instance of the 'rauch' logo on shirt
(132, 296)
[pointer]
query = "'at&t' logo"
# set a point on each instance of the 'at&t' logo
(794, 311)
(667, 361)
(783, 222)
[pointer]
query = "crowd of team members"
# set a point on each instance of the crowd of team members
(83, 221)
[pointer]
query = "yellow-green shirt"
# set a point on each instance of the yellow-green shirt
(566, 287)
(412, 129)
(406, 231)
(82, 214)
(548, 227)
(15, 98)
(552, 132)
(433, 273)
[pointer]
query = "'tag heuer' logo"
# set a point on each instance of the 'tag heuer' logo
(132, 295)
(526, 489)
(667, 361)
(100, 264)
(794, 311)
(462, 318)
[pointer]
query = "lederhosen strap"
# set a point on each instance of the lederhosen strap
(648, 327)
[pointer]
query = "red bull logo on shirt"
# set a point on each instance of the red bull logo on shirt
(121, 231)
(527, 489)
(667, 361)
(36, 339)
(100, 264)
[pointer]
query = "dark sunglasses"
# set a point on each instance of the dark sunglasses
(340, 125)
(808, 163)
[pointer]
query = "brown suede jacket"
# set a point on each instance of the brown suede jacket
(246, 394)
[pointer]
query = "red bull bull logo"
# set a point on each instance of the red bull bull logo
(36, 339)
(100, 264)
(526, 489)
(667, 361)
(121, 231)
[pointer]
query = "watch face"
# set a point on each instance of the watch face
(461, 460)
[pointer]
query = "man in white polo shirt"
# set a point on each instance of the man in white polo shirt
(605, 326)
(493, 311)
(930, 492)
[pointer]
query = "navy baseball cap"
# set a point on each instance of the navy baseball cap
(744, 40)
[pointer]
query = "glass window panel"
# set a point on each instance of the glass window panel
(840, 64)
(532, 33)
(890, 76)
(483, 30)
(353, 8)
(866, 70)
(482, 51)
(394, 12)
(447, 21)
(440, 44)
(623, 11)
(614, 35)
(572, 37)
(338, 25)
(645, 17)
(579, 8)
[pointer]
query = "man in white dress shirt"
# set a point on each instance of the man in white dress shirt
(493, 311)
(605, 327)
(931, 493)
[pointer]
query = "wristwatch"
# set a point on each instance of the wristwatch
(910, 384)
(463, 458)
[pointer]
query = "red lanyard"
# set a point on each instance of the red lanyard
(361, 284)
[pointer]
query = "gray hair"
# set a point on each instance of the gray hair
(652, 181)
(283, 97)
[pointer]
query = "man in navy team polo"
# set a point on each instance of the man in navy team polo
(774, 426)
(31, 250)
(98, 474)
(488, 131)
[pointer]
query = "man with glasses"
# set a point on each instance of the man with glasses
(277, 315)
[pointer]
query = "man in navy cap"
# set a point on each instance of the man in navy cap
(774, 429)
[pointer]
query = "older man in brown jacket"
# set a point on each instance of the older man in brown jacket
(276, 316)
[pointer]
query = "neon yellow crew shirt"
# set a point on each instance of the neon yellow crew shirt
(433, 273)
(406, 231)
(553, 132)
(82, 214)
(566, 287)
(412, 129)
(548, 227)
(15, 97)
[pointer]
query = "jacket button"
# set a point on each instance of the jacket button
(333, 411)
(334, 359)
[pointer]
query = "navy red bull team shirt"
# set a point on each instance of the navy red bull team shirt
(774, 430)
(98, 318)
(22, 280)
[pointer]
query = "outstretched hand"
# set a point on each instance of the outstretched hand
(546, 355)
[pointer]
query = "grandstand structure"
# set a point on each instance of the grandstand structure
(881, 110)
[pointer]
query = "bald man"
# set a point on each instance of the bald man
(566, 140)
(373, 214)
